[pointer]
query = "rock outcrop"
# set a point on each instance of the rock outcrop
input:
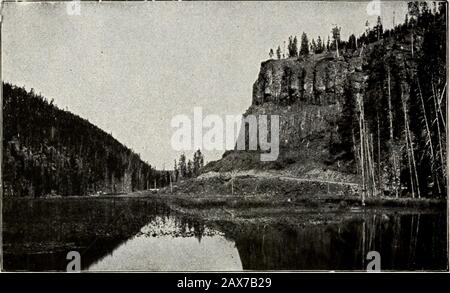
(317, 100)
(317, 80)
(308, 96)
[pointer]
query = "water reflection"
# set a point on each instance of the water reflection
(405, 242)
(140, 234)
(162, 246)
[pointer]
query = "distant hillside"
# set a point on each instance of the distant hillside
(49, 151)
(377, 110)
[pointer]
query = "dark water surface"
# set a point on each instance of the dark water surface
(140, 234)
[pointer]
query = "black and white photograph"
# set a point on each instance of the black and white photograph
(224, 136)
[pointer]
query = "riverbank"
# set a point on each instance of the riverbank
(267, 198)
(282, 200)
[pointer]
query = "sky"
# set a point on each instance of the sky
(129, 68)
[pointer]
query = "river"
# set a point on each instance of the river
(141, 234)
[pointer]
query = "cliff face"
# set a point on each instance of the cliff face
(308, 96)
(371, 99)
(317, 80)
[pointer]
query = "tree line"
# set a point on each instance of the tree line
(49, 151)
(335, 44)
(188, 169)
(395, 129)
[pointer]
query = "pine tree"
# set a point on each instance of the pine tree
(347, 122)
(367, 25)
(202, 161)
(352, 42)
(189, 169)
(182, 166)
(313, 46)
(319, 45)
(197, 163)
(295, 47)
(175, 170)
(279, 53)
(336, 35)
(413, 9)
(292, 47)
(304, 47)
(379, 28)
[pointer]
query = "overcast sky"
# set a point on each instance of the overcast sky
(130, 67)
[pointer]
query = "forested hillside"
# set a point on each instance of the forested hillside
(49, 151)
(370, 110)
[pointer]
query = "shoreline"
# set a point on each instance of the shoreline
(270, 207)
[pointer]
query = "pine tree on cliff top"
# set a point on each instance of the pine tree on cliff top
(319, 45)
(313, 46)
(304, 47)
(292, 47)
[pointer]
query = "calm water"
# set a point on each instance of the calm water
(138, 234)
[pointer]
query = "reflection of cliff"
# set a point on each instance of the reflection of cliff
(405, 243)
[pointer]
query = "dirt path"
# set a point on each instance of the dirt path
(317, 181)
(269, 175)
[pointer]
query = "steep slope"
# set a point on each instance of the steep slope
(374, 114)
(308, 96)
(48, 151)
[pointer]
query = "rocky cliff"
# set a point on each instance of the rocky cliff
(375, 112)
(308, 96)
